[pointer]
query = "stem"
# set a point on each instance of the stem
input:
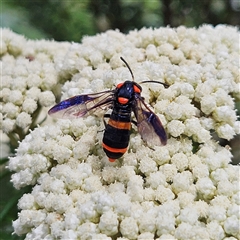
(34, 118)
(13, 140)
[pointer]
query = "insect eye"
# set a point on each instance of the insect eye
(136, 89)
(120, 85)
(123, 100)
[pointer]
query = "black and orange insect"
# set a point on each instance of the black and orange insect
(123, 100)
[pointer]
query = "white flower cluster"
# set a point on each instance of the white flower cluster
(184, 190)
(28, 77)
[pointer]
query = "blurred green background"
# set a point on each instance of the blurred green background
(70, 20)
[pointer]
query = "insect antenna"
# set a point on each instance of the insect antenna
(128, 67)
(152, 81)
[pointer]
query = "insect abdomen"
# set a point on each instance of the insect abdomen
(116, 138)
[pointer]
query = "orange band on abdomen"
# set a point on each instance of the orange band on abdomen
(119, 125)
(114, 150)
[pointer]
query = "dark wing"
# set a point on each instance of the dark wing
(82, 105)
(148, 123)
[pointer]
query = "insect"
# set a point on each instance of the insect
(123, 100)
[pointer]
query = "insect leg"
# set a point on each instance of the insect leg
(105, 116)
(105, 123)
(134, 122)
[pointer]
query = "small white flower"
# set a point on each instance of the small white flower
(46, 98)
(149, 194)
(129, 227)
(96, 58)
(221, 201)
(23, 120)
(185, 199)
(109, 223)
(155, 179)
(237, 127)
(23, 178)
(104, 202)
(175, 128)
(100, 236)
(5, 92)
(92, 184)
(176, 56)
(69, 234)
(166, 237)
(165, 224)
(233, 210)
(125, 173)
(52, 185)
(215, 230)
(225, 188)
(71, 221)
(16, 97)
(161, 155)
(180, 160)
(169, 171)
(189, 215)
(208, 104)
(231, 226)
(193, 128)
(135, 188)
(173, 111)
(109, 174)
(87, 229)
(151, 52)
(10, 110)
(207, 123)
(225, 131)
(57, 229)
(182, 182)
(122, 204)
(14, 43)
(33, 93)
(146, 235)
(41, 231)
(194, 160)
(8, 125)
(61, 154)
(217, 213)
(97, 85)
(206, 187)
(29, 105)
(163, 194)
(147, 223)
(197, 232)
(200, 171)
(83, 146)
(225, 114)
(27, 202)
(147, 165)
